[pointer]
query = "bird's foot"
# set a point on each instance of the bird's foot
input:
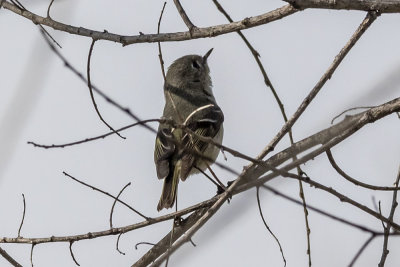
(221, 190)
(178, 221)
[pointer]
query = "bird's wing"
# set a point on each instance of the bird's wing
(207, 123)
(164, 149)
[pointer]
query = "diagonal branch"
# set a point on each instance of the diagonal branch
(184, 16)
(107, 194)
(10, 259)
(361, 250)
(371, 16)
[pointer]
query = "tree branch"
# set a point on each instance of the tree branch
(355, 181)
(385, 250)
(10, 259)
(184, 16)
(371, 16)
(89, 84)
(361, 250)
(162, 37)
(382, 6)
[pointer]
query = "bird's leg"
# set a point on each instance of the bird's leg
(206, 175)
(177, 219)
(221, 186)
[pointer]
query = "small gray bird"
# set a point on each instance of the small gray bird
(188, 100)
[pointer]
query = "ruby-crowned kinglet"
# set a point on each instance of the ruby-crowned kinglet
(188, 100)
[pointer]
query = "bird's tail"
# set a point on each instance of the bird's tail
(168, 194)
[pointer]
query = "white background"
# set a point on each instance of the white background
(43, 101)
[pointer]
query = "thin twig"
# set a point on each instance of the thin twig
(18, 3)
(305, 211)
(385, 250)
(91, 90)
(94, 88)
(50, 36)
(361, 250)
(159, 44)
(256, 56)
(380, 212)
(347, 110)
(48, 9)
(23, 216)
(184, 16)
(92, 138)
(374, 203)
(115, 201)
(144, 243)
(322, 212)
(7, 256)
(72, 253)
(266, 225)
(107, 194)
(368, 20)
(175, 222)
(191, 242)
(33, 245)
(331, 191)
(160, 57)
(355, 181)
(23, 9)
(117, 245)
(170, 242)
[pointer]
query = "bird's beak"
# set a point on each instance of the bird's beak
(206, 55)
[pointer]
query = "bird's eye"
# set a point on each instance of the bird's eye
(195, 64)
